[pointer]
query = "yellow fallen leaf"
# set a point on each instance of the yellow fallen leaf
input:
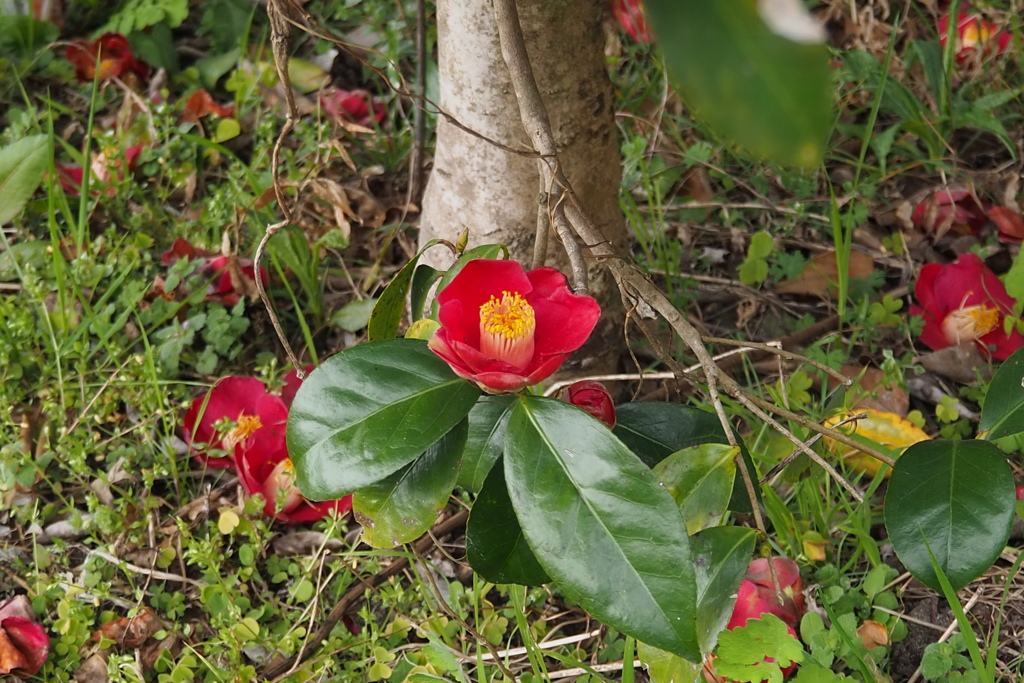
(887, 432)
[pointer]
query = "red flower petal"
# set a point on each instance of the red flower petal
(292, 383)
(201, 104)
(23, 643)
(1009, 222)
(631, 16)
(229, 399)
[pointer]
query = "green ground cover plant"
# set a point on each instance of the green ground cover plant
(244, 448)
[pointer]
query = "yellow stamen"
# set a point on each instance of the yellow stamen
(974, 33)
(506, 329)
(281, 483)
(969, 323)
(247, 425)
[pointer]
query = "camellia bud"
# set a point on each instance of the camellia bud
(282, 482)
(594, 398)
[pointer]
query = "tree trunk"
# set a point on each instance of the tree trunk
(495, 194)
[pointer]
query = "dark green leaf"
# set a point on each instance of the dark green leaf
(957, 495)
(368, 411)
(387, 314)
(422, 280)
(654, 430)
(495, 545)
(402, 507)
(1003, 412)
(771, 94)
(700, 480)
(721, 556)
(601, 524)
(22, 166)
(484, 251)
(486, 440)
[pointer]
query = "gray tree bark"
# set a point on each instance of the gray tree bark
(495, 194)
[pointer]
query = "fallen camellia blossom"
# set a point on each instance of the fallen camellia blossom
(972, 33)
(631, 16)
(757, 596)
(23, 643)
(107, 165)
(947, 210)
(114, 55)
(241, 400)
(256, 445)
(592, 397)
(357, 106)
(230, 277)
(963, 302)
(505, 329)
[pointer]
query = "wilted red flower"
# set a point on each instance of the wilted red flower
(950, 210)
(352, 105)
(592, 397)
(632, 18)
(973, 32)
(506, 329)
(963, 302)
(200, 104)
(114, 55)
(230, 277)
(23, 643)
(106, 165)
(256, 446)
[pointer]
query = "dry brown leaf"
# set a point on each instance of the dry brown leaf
(961, 363)
(869, 390)
(872, 634)
(821, 273)
(130, 632)
(94, 669)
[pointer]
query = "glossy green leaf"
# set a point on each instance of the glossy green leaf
(700, 480)
(486, 439)
(484, 251)
(400, 508)
(655, 429)
(495, 545)
(370, 410)
(771, 94)
(23, 165)
(957, 495)
(601, 524)
(1003, 412)
(386, 317)
(664, 667)
(422, 280)
(721, 556)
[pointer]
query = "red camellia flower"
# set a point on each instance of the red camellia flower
(973, 32)
(594, 398)
(963, 302)
(506, 329)
(631, 16)
(110, 55)
(256, 446)
(357, 106)
(23, 643)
